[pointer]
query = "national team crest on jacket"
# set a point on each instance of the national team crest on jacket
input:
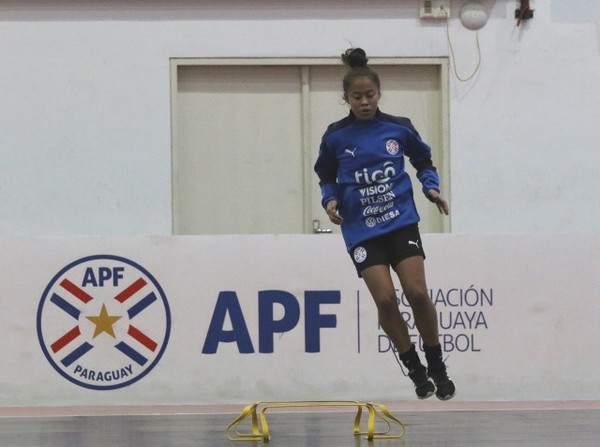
(392, 147)
(103, 322)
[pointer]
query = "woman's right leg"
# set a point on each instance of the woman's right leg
(411, 273)
(379, 282)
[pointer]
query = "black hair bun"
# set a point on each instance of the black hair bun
(355, 57)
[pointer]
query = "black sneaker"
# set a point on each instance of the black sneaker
(445, 388)
(424, 387)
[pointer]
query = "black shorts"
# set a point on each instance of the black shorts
(388, 249)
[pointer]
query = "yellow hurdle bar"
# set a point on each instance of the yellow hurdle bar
(375, 412)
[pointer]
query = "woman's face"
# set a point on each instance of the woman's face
(363, 98)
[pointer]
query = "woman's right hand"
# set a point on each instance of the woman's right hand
(333, 213)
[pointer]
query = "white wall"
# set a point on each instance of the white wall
(516, 324)
(85, 115)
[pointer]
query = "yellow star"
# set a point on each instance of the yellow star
(104, 323)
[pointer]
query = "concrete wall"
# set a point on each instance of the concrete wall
(85, 132)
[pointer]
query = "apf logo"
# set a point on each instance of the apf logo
(103, 322)
(392, 147)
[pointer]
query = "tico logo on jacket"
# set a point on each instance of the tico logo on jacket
(103, 322)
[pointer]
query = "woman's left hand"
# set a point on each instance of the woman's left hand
(439, 201)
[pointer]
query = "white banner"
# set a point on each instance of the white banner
(238, 319)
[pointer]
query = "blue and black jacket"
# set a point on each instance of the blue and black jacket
(361, 165)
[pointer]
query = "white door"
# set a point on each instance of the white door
(240, 133)
(237, 150)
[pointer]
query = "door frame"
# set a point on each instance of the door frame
(441, 62)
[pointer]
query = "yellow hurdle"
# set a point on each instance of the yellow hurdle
(375, 412)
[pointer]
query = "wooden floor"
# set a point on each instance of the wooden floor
(545, 424)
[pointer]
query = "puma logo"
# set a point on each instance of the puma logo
(350, 151)
(415, 243)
